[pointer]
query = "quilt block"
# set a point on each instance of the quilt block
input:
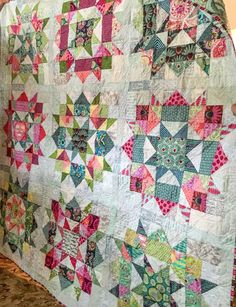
(83, 140)
(24, 130)
(173, 144)
(27, 42)
(85, 37)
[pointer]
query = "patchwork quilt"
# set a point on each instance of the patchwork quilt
(118, 150)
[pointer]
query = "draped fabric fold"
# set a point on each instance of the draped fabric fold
(117, 150)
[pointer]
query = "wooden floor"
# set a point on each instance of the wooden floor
(19, 289)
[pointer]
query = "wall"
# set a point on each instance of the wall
(230, 6)
(231, 12)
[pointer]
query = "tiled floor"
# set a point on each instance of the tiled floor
(18, 289)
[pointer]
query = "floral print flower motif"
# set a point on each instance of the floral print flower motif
(136, 184)
(170, 152)
(208, 44)
(79, 41)
(189, 51)
(162, 148)
(219, 48)
(215, 33)
(142, 112)
(60, 138)
(90, 32)
(81, 25)
(181, 161)
(150, 14)
(51, 232)
(192, 32)
(169, 54)
(175, 149)
(199, 201)
(70, 275)
(74, 214)
(66, 273)
(213, 114)
(180, 9)
(169, 161)
(84, 33)
(20, 130)
(91, 246)
(15, 215)
(91, 253)
(79, 140)
(181, 53)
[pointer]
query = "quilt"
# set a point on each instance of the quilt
(118, 150)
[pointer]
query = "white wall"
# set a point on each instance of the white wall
(230, 6)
